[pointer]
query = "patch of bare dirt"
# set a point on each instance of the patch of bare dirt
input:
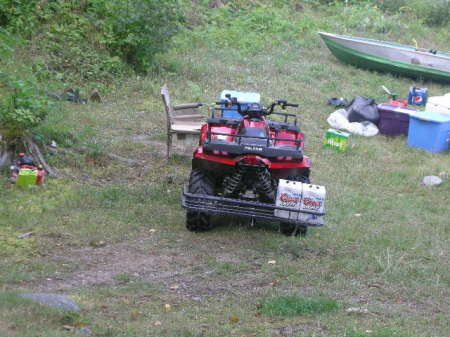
(186, 274)
(185, 148)
(295, 330)
(101, 266)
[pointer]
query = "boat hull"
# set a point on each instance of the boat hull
(348, 53)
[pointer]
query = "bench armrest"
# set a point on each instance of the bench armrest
(187, 106)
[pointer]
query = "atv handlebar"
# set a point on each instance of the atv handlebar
(283, 104)
(230, 101)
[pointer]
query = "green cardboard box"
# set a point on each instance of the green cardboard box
(26, 177)
(337, 140)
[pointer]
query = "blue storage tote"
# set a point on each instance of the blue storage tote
(429, 131)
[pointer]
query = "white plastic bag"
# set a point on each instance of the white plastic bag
(339, 120)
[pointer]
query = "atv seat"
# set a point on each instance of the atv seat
(183, 120)
(283, 126)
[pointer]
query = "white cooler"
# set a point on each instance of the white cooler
(439, 104)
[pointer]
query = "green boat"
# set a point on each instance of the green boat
(389, 57)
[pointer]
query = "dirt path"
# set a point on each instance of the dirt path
(190, 273)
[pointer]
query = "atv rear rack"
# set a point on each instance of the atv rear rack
(250, 209)
(284, 114)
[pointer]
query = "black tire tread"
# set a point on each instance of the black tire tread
(199, 183)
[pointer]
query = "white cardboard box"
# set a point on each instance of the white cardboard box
(297, 195)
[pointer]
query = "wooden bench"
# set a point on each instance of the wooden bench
(183, 120)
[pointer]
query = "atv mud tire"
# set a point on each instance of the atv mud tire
(290, 228)
(199, 183)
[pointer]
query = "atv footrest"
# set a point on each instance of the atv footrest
(250, 209)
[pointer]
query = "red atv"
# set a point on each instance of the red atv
(239, 162)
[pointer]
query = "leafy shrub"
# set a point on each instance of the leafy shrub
(138, 30)
(433, 13)
(246, 32)
(18, 15)
(91, 40)
(364, 17)
(22, 107)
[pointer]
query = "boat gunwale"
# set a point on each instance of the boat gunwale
(397, 67)
(394, 45)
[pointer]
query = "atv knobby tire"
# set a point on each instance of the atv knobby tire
(199, 183)
(290, 228)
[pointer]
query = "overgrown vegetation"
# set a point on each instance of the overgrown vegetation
(434, 13)
(22, 107)
(384, 249)
(89, 40)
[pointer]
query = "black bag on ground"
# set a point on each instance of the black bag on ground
(363, 109)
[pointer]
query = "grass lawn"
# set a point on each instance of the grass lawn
(112, 237)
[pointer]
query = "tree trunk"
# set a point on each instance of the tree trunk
(33, 150)
(5, 155)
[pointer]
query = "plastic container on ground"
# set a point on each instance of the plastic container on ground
(26, 177)
(417, 96)
(439, 104)
(429, 131)
(394, 119)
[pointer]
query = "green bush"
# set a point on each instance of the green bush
(246, 32)
(81, 41)
(18, 15)
(137, 30)
(22, 107)
(433, 13)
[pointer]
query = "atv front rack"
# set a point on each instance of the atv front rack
(250, 209)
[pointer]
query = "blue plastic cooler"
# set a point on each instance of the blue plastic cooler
(429, 131)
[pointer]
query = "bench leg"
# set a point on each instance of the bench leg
(169, 144)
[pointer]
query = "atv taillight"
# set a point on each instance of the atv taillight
(203, 134)
(251, 161)
(218, 152)
(283, 158)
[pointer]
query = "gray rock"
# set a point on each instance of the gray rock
(24, 235)
(53, 300)
(84, 331)
(432, 180)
